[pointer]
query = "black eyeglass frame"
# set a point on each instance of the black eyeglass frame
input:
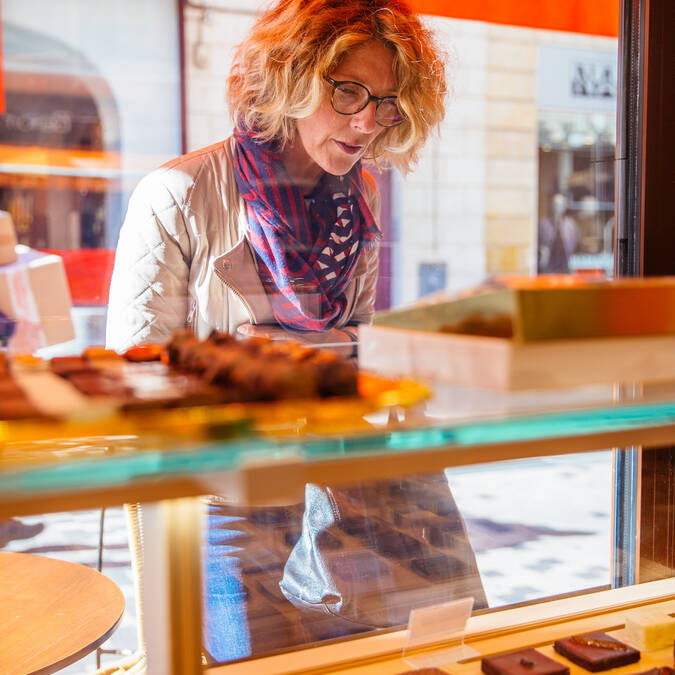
(379, 100)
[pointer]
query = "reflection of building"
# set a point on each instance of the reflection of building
(576, 97)
(59, 138)
(92, 105)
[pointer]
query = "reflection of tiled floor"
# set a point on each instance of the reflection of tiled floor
(539, 527)
(74, 537)
(545, 520)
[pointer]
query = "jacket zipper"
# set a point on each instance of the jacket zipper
(192, 318)
(237, 293)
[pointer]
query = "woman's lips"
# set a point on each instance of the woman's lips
(349, 149)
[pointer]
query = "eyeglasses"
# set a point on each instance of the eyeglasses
(349, 98)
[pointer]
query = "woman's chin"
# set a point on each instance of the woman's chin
(340, 166)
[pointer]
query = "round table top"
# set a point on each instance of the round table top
(52, 613)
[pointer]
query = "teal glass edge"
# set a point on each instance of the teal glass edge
(221, 456)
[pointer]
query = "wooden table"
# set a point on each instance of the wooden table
(52, 613)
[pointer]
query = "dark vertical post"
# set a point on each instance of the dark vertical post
(645, 246)
(627, 248)
(657, 217)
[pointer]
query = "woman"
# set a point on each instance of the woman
(275, 229)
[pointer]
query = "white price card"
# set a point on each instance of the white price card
(443, 626)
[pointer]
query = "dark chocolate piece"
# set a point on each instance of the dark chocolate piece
(269, 588)
(326, 541)
(291, 538)
(592, 651)
(19, 408)
(439, 567)
(444, 535)
(258, 567)
(522, 662)
(357, 526)
(663, 670)
(359, 567)
(65, 365)
(268, 516)
(394, 544)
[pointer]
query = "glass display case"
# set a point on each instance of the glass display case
(404, 514)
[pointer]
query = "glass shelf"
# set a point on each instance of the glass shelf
(455, 426)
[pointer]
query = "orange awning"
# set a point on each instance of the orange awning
(598, 17)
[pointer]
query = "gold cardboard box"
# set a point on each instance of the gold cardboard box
(553, 307)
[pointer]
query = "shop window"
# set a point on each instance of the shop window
(88, 111)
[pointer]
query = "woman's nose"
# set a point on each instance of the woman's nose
(364, 121)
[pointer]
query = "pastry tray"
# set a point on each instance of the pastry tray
(209, 422)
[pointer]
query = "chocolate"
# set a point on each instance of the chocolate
(358, 527)
(522, 662)
(663, 670)
(444, 535)
(65, 365)
(18, 409)
(327, 541)
(268, 516)
(439, 567)
(359, 567)
(596, 651)
(291, 538)
(392, 544)
(269, 588)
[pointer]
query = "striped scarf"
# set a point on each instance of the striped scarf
(306, 248)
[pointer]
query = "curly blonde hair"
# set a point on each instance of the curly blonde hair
(278, 71)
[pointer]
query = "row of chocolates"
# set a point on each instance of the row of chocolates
(186, 371)
(594, 651)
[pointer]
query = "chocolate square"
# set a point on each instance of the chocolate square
(392, 544)
(439, 567)
(357, 526)
(596, 651)
(522, 662)
(359, 567)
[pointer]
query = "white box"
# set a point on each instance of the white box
(34, 291)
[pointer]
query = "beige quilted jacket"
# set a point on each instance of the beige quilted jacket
(183, 259)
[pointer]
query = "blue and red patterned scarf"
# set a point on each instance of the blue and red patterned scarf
(306, 247)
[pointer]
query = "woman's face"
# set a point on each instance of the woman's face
(330, 142)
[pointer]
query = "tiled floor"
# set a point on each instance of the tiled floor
(538, 527)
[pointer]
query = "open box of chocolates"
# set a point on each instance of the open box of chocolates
(256, 379)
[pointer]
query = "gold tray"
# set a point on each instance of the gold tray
(336, 415)
(194, 423)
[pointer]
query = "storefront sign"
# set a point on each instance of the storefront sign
(600, 17)
(576, 79)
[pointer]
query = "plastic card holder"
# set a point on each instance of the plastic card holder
(443, 625)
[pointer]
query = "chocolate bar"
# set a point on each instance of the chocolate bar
(596, 651)
(522, 662)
